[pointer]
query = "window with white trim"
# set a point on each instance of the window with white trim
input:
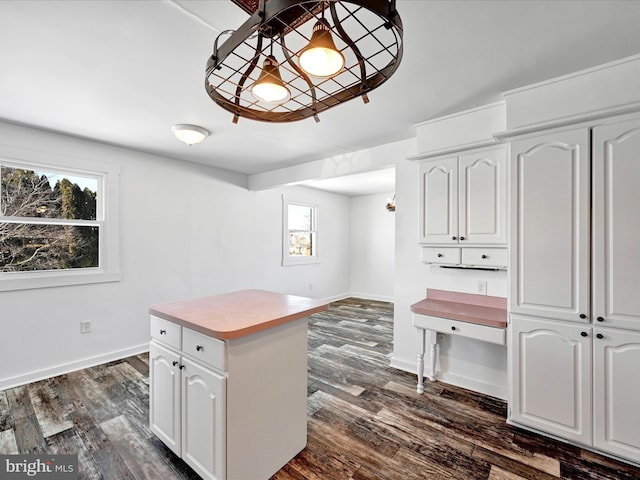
(300, 233)
(58, 225)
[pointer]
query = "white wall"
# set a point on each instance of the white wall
(372, 247)
(469, 363)
(185, 231)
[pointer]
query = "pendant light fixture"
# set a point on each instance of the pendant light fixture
(359, 43)
(321, 58)
(269, 87)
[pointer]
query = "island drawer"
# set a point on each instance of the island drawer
(166, 332)
(207, 350)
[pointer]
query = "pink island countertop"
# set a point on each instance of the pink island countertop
(466, 307)
(237, 314)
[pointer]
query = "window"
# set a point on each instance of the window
(58, 225)
(300, 236)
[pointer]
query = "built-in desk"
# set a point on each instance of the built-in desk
(468, 315)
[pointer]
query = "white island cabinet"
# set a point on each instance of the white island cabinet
(228, 381)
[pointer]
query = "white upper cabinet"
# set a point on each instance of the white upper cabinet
(482, 209)
(463, 199)
(550, 226)
(616, 218)
(439, 201)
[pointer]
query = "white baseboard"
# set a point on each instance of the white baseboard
(498, 391)
(71, 367)
(365, 296)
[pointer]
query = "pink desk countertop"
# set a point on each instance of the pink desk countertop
(466, 307)
(236, 314)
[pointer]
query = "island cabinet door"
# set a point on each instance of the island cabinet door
(551, 384)
(617, 390)
(164, 398)
(203, 420)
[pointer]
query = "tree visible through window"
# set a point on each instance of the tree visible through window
(48, 220)
(300, 245)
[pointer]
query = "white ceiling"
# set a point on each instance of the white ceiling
(123, 72)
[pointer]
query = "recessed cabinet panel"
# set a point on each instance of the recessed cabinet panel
(482, 188)
(439, 192)
(616, 199)
(550, 241)
(553, 365)
(617, 416)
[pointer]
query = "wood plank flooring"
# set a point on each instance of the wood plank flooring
(365, 419)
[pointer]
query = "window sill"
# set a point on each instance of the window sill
(289, 261)
(31, 280)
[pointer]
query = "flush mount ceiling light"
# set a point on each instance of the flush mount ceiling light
(190, 134)
(328, 52)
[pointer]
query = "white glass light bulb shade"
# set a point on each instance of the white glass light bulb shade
(321, 62)
(269, 87)
(321, 58)
(189, 134)
(270, 92)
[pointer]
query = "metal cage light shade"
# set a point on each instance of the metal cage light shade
(366, 34)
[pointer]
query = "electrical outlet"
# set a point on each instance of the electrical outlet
(85, 327)
(481, 287)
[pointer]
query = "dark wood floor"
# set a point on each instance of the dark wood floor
(365, 419)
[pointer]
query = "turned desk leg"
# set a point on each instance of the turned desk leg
(421, 348)
(433, 355)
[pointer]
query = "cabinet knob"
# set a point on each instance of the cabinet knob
(583, 316)
(175, 363)
(483, 256)
(181, 367)
(199, 347)
(584, 334)
(453, 328)
(439, 255)
(163, 332)
(454, 238)
(600, 336)
(600, 319)
(462, 238)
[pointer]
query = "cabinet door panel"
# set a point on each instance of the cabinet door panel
(617, 390)
(551, 226)
(482, 188)
(439, 197)
(203, 430)
(551, 369)
(616, 198)
(164, 397)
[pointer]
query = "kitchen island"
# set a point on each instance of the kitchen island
(228, 381)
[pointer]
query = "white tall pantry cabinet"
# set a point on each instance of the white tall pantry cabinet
(574, 273)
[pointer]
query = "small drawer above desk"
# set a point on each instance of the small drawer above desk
(463, 329)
